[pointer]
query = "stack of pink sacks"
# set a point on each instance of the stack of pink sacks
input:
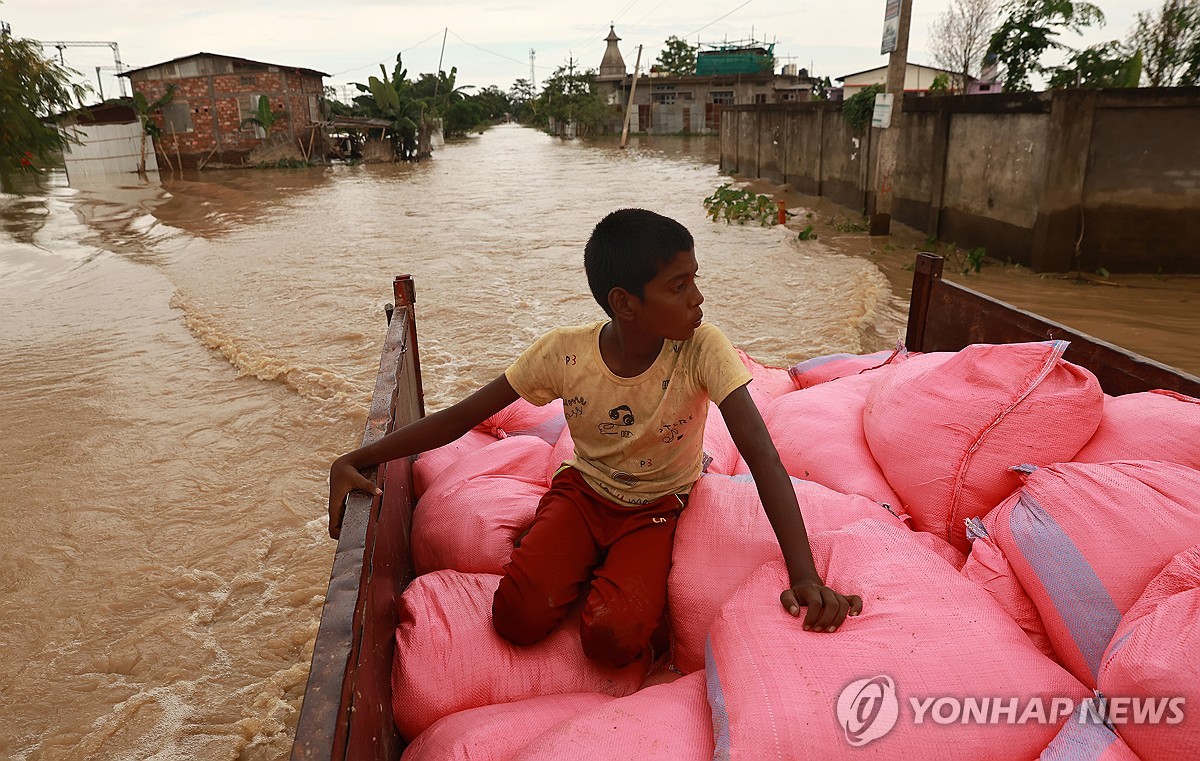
(1020, 541)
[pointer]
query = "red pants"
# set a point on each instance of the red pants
(578, 537)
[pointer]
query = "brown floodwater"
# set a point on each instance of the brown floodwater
(182, 358)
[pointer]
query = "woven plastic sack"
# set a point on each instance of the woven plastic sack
(946, 434)
(470, 517)
(1152, 663)
(1085, 737)
(449, 658)
(668, 722)
(819, 435)
(522, 418)
(925, 633)
(724, 535)
(1154, 425)
(817, 370)
(497, 732)
(767, 383)
(1084, 540)
(429, 465)
(987, 567)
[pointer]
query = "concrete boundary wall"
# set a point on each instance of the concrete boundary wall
(1098, 178)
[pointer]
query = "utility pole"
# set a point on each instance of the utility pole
(632, 89)
(532, 77)
(116, 49)
(888, 138)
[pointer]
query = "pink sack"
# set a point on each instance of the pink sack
(819, 435)
(670, 722)
(812, 372)
(1155, 425)
(724, 535)
(768, 383)
(470, 517)
(522, 418)
(429, 465)
(497, 732)
(925, 636)
(1087, 739)
(1152, 666)
(449, 658)
(987, 567)
(945, 435)
(1085, 539)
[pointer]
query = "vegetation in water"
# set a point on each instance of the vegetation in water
(741, 206)
(807, 233)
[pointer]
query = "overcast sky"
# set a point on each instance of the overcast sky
(489, 41)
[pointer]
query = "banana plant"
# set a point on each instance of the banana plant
(145, 109)
(264, 118)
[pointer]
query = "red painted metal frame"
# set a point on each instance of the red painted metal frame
(945, 316)
(347, 712)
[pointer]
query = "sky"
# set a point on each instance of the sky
(488, 41)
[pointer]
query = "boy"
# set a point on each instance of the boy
(635, 392)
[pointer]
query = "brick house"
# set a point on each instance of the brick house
(725, 75)
(202, 124)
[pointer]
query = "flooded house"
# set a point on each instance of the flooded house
(725, 74)
(203, 124)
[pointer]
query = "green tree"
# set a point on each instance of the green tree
(571, 96)
(677, 58)
(33, 89)
(392, 98)
(1029, 29)
(1169, 42)
(1108, 64)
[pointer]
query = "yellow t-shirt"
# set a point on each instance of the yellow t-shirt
(636, 439)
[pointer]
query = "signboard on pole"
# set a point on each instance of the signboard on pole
(891, 26)
(882, 115)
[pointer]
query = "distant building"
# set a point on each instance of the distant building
(726, 75)
(202, 124)
(917, 79)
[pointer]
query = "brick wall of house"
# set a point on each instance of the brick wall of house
(217, 104)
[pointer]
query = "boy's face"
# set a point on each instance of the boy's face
(670, 305)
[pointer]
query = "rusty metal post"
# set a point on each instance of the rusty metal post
(926, 273)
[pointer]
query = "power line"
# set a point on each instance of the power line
(701, 29)
(375, 63)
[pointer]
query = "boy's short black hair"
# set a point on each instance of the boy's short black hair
(628, 248)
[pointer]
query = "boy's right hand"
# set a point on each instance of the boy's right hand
(343, 479)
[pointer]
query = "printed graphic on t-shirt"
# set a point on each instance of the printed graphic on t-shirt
(624, 419)
(573, 407)
(674, 431)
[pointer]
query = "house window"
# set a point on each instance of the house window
(177, 117)
(760, 97)
(247, 81)
(248, 107)
(721, 97)
(663, 98)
